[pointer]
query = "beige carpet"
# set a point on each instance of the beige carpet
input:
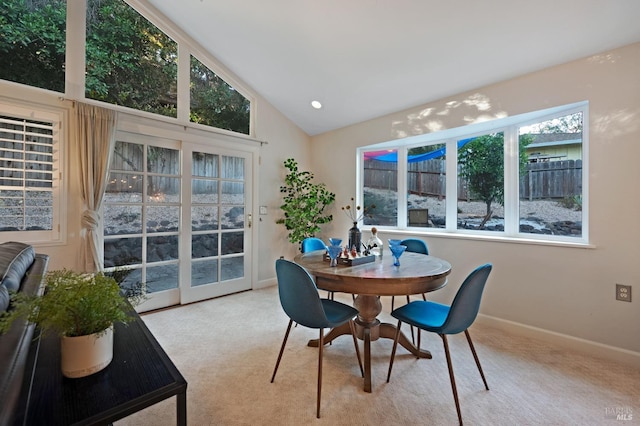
(227, 347)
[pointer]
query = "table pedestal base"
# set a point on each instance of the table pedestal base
(370, 329)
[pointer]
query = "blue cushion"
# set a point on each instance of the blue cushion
(426, 315)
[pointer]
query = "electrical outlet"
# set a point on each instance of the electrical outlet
(623, 292)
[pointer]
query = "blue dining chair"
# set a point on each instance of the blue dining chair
(445, 320)
(414, 245)
(312, 243)
(300, 301)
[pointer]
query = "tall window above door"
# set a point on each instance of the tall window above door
(33, 42)
(126, 60)
(215, 103)
(129, 61)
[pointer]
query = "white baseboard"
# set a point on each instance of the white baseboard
(266, 283)
(589, 347)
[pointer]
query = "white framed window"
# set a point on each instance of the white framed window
(30, 179)
(124, 54)
(522, 177)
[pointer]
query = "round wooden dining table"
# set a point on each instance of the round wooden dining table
(417, 274)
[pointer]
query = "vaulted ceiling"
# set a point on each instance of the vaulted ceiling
(365, 58)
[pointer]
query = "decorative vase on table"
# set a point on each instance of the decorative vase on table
(374, 245)
(396, 251)
(355, 237)
(334, 252)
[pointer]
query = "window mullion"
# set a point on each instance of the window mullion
(451, 186)
(402, 187)
(511, 181)
(184, 91)
(75, 42)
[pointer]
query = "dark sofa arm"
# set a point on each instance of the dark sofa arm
(14, 345)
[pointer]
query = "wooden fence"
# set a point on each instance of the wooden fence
(552, 179)
(163, 165)
(544, 180)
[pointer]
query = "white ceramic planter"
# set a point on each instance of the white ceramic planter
(84, 355)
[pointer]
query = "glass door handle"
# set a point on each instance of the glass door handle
(249, 220)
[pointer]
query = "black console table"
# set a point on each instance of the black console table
(140, 375)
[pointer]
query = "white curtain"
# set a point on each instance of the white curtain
(95, 140)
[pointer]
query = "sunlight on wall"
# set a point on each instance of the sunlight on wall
(607, 58)
(617, 123)
(475, 108)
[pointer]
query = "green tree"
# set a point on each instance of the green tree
(130, 61)
(32, 45)
(571, 123)
(304, 203)
(482, 165)
(215, 103)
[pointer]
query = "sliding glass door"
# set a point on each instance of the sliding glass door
(219, 219)
(176, 219)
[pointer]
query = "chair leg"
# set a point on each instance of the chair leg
(320, 346)
(424, 297)
(451, 377)
(393, 351)
(284, 342)
(355, 343)
(475, 356)
(393, 298)
(413, 336)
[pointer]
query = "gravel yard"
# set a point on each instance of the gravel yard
(544, 210)
(536, 217)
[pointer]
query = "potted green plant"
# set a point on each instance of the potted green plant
(80, 308)
(304, 203)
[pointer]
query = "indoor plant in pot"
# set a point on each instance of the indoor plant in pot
(304, 203)
(81, 308)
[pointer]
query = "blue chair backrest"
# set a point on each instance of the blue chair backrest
(313, 243)
(466, 304)
(415, 245)
(299, 295)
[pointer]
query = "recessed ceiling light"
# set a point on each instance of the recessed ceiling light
(316, 104)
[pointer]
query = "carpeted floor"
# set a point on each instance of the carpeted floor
(227, 347)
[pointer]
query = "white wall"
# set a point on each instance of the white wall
(561, 289)
(284, 141)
